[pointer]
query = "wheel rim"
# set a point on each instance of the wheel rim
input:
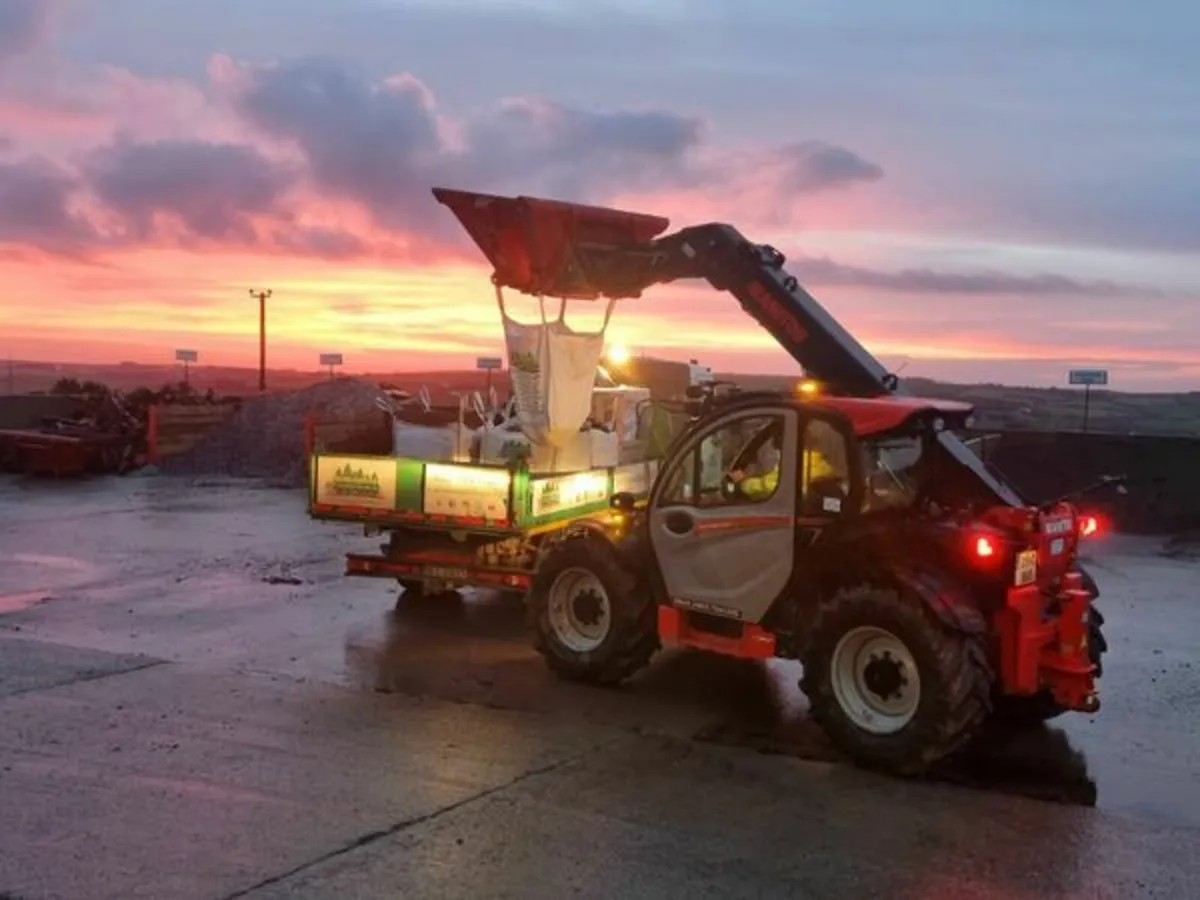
(580, 611)
(875, 680)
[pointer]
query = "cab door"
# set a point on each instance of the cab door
(726, 551)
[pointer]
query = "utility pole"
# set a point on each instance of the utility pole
(11, 377)
(262, 296)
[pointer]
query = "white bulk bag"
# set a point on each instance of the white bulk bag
(433, 441)
(620, 406)
(440, 444)
(553, 370)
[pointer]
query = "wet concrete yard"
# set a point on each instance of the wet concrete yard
(195, 703)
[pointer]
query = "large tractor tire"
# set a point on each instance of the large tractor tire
(1042, 707)
(590, 617)
(893, 687)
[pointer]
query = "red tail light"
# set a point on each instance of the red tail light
(984, 547)
(1090, 526)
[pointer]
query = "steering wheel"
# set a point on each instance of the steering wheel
(729, 486)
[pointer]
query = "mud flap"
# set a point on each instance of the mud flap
(944, 599)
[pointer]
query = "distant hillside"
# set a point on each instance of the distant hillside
(1049, 409)
(999, 407)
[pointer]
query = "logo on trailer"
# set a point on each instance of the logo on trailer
(348, 481)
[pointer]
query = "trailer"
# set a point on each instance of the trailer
(451, 525)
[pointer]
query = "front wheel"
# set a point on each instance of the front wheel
(590, 617)
(893, 687)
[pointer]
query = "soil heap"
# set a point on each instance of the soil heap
(265, 437)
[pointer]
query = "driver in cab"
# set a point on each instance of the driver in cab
(759, 487)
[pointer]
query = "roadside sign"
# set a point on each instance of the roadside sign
(489, 363)
(331, 359)
(187, 356)
(1088, 377)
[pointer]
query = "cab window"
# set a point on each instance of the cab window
(893, 468)
(825, 473)
(735, 464)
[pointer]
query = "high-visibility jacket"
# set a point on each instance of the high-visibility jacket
(764, 485)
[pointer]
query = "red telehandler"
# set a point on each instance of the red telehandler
(853, 530)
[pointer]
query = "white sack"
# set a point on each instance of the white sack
(553, 371)
(620, 407)
(501, 446)
(449, 443)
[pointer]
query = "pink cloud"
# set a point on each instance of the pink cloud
(266, 168)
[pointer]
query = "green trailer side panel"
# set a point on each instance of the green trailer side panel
(385, 489)
(410, 478)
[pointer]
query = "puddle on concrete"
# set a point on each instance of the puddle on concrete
(476, 651)
(13, 603)
(53, 574)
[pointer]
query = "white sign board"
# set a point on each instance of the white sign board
(186, 356)
(489, 362)
(355, 482)
(331, 359)
(563, 492)
(1089, 377)
(466, 492)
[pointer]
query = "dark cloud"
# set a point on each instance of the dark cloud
(814, 165)
(541, 147)
(213, 189)
(823, 271)
(382, 144)
(373, 143)
(1070, 119)
(35, 207)
(22, 24)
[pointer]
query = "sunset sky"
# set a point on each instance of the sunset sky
(995, 190)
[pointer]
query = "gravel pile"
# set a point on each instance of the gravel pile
(265, 438)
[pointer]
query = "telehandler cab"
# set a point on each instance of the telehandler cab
(919, 591)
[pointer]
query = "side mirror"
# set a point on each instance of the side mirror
(622, 501)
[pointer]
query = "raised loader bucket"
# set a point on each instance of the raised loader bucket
(533, 244)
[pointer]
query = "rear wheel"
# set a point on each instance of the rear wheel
(590, 618)
(893, 688)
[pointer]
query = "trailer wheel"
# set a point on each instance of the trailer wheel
(1042, 707)
(893, 688)
(590, 618)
